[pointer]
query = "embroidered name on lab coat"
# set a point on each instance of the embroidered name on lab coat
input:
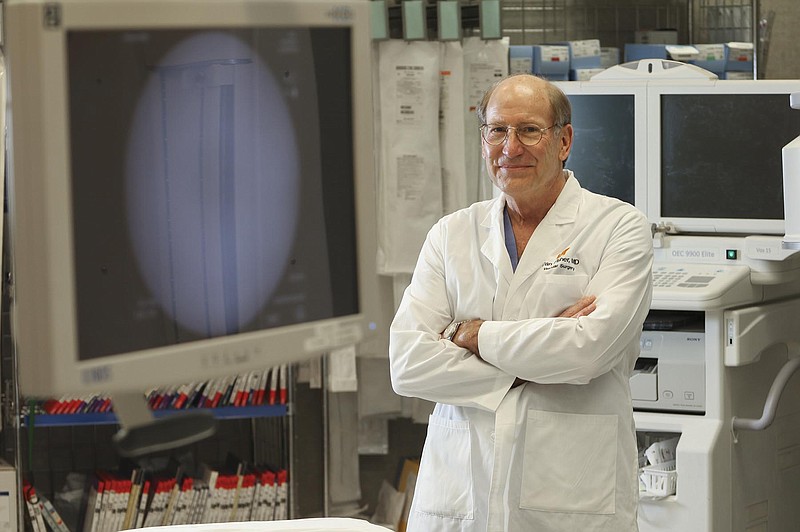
(561, 261)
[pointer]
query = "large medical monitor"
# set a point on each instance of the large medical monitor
(609, 146)
(191, 188)
(715, 154)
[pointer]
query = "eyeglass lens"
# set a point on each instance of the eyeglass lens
(528, 135)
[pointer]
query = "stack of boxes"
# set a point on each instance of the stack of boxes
(584, 59)
(733, 60)
(609, 57)
(571, 60)
(580, 60)
(548, 61)
(711, 57)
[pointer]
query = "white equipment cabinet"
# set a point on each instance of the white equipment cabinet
(746, 293)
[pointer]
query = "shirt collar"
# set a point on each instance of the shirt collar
(563, 211)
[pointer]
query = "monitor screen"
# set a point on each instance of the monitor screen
(721, 154)
(211, 183)
(609, 147)
(603, 152)
(715, 154)
(191, 190)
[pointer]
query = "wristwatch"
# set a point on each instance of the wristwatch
(451, 330)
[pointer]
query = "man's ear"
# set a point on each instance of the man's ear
(566, 141)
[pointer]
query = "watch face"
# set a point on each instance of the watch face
(450, 331)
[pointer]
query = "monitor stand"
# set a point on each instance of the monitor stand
(143, 434)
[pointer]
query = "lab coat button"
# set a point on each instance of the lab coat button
(492, 436)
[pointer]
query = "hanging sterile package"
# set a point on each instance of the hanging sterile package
(485, 62)
(409, 181)
(451, 127)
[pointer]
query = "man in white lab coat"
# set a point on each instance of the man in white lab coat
(522, 322)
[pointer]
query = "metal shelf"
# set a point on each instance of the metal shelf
(108, 418)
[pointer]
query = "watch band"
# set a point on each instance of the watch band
(451, 330)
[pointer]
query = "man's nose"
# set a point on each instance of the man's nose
(512, 144)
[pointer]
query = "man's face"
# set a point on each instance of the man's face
(515, 168)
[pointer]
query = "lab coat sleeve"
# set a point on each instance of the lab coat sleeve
(424, 365)
(574, 351)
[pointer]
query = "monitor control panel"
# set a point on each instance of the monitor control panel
(698, 282)
(684, 276)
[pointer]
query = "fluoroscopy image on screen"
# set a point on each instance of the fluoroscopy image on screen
(211, 188)
(212, 183)
(721, 154)
(603, 149)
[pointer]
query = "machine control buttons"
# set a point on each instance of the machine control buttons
(700, 276)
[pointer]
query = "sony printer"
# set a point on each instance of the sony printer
(669, 375)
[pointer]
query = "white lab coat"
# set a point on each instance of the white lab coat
(557, 453)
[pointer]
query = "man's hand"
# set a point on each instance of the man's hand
(467, 335)
(583, 307)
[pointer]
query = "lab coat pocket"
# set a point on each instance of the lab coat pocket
(570, 463)
(444, 486)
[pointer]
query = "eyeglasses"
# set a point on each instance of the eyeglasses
(495, 134)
